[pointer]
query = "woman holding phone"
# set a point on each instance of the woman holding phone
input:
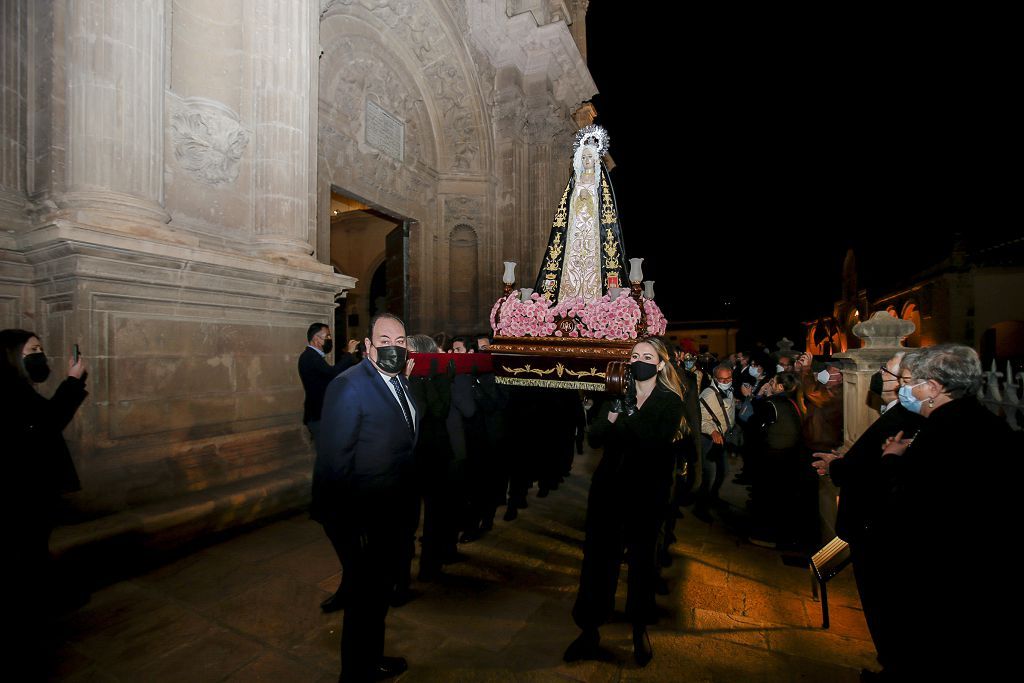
(37, 469)
(628, 493)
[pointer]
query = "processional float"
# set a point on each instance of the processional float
(575, 328)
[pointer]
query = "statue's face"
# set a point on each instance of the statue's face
(588, 159)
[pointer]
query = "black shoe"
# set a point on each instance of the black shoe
(510, 513)
(643, 653)
(469, 536)
(403, 596)
(334, 603)
(703, 515)
(454, 558)
(542, 492)
(389, 667)
(486, 525)
(586, 646)
(429, 574)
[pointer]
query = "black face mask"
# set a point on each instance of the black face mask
(643, 371)
(328, 346)
(875, 387)
(36, 367)
(391, 359)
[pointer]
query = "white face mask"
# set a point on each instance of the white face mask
(779, 368)
(754, 371)
(823, 376)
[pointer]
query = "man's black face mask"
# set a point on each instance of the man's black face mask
(875, 387)
(391, 359)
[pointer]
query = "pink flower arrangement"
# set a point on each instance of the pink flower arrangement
(597, 319)
(656, 322)
(517, 318)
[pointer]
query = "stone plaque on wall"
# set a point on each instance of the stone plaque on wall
(384, 131)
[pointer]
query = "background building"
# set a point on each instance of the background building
(185, 185)
(975, 296)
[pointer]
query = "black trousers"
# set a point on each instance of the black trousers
(373, 539)
(612, 530)
(337, 538)
(868, 570)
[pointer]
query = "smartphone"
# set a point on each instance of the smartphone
(76, 353)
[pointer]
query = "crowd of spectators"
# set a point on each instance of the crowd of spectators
(766, 413)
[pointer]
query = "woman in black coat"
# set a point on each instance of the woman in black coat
(944, 523)
(37, 470)
(628, 492)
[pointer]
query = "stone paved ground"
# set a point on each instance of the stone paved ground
(247, 610)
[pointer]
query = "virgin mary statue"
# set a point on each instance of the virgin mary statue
(585, 256)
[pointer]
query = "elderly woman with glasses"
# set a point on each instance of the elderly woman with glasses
(931, 517)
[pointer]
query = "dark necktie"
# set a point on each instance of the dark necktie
(401, 399)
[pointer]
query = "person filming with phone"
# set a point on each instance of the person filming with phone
(38, 469)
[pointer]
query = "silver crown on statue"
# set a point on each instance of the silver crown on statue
(592, 136)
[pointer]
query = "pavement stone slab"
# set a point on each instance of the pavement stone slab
(247, 609)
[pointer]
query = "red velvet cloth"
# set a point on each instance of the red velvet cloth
(465, 363)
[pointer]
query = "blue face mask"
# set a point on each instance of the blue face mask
(908, 400)
(688, 364)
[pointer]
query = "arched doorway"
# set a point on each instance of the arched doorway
(370, 243)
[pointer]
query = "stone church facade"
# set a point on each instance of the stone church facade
(165, 201)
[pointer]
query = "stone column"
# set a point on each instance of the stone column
(115, 122)
(281, 119)
(13, 110)
(578, 9)
(882, 336)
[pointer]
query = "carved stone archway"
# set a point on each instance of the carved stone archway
(403, 125)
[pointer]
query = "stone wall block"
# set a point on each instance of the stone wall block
(253, 373)
(271, 402)
(138, 417)
(137, 378)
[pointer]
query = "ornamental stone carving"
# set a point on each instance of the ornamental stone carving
(463, 210)
(883, 330)
(208, 139)
(415, 25)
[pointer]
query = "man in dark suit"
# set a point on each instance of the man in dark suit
(364, 491)
(316, 373)
(859, 475)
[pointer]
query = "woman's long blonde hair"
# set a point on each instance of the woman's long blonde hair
(667, 377)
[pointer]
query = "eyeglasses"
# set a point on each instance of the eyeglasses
(890, 373)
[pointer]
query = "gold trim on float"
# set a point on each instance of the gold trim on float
(549, 383)
(527, 369)
(583, 373)
(559, 369)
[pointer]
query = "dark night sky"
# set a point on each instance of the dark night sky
(750, 155)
